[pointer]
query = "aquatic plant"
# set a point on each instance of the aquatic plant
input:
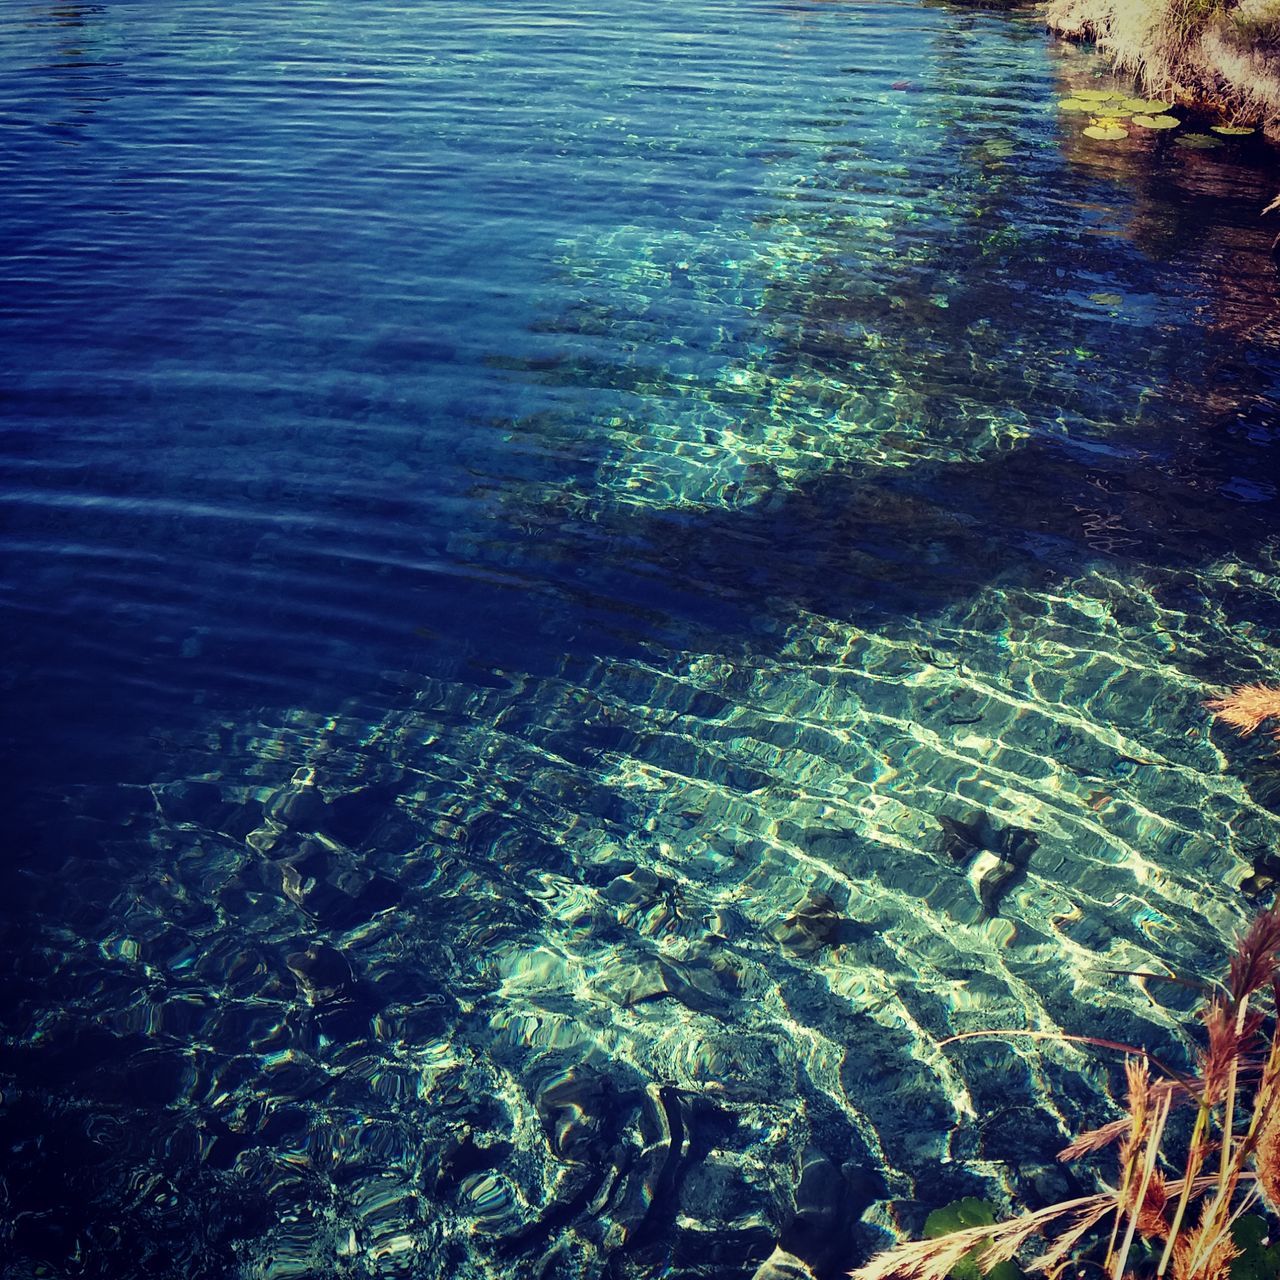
(1229, 1164)
(1106, 131)
(1111, 111)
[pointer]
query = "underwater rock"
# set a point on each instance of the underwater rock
(991, 877)
(117, 805)
(961, 840)
(332, 888)
(696, 984)
(204, 804)
(815, 925)
(1001, 855)
(648, 903)
(638, 887)
(186, 801)
(1266, 872)
(461, 1155)
(323, 974)
(722, 1223)
(1255, 885)
(641, 1175)
(781, 1265)
(490, 1201)
(571, 1106)
(820, 1229)
(622, 1150)
(299, 808)
(370, 814)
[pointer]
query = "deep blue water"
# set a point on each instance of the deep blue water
(519, 522)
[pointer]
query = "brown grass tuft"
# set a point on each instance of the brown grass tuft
(1205, 1253)
(1247, 707)
(1224, 1166)
(1254, 964)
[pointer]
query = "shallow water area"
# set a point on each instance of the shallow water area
(584, 587)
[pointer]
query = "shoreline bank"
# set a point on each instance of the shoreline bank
(1209, 56)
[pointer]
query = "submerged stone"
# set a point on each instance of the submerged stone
(572, 1107)
(781, 1265)
(329, 885)
(299, 809)
(1000, 855)
(323, 974)
(190, 801)
(819, 1232)
(815, 925)
(1266, 873)
(369, 813)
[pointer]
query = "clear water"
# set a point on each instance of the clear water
(519, 521)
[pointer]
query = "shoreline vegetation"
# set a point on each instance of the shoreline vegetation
(1217, 56)
(1185, 1208)
(1194, 1214)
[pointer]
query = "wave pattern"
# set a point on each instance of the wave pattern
(584, 589)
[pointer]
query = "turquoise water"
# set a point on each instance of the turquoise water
(582, 588)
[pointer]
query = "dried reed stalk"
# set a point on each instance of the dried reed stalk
(1247, 706)
(1238, 1073)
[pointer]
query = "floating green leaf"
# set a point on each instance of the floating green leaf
(1135, 104)
(1259, 1259)
(1156, 105)
(1106, 132)
(1156, 122)
(1096, 95)
(1106, 299)
(958, 1216)
(1075, 104)
(1233, 130)
(1200, 141)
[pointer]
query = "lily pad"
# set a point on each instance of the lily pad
(1135, 104)
(1106, 299)
(1154, 106)
(1233, 130)
(1106, 133)
(1259, 1259)
(960, 1214)
(1096, 95)
(1076, 104)
(1156, 122)
(1200, 141)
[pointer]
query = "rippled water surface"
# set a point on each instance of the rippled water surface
(582, 586)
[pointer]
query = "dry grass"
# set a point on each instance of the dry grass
(1149, 39)
(1222, 54)
(1247, 707)
(1182, 1202)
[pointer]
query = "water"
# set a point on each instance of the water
(520, 522)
